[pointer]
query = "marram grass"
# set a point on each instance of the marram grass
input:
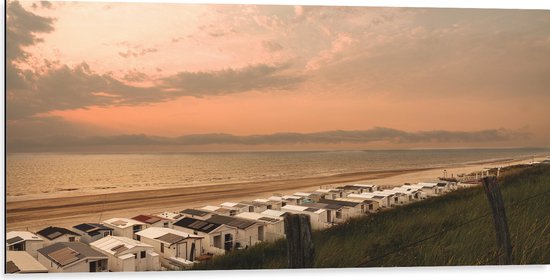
(460, 226)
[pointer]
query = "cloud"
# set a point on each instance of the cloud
(64, 88)
(377, 134)
(272, 46)
(448, 53)
(21, 29)
(254, 77)
(328, 56)
(137, 52)
(135, 76)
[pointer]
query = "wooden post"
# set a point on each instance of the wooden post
(492, 190)
(300, 249)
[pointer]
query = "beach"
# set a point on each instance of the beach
(35, 214)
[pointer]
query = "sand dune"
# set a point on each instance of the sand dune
(68, 211)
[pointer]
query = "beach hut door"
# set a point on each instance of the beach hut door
(228, 242)
(192, 254)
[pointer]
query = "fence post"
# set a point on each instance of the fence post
(300, 249)
(492, 190)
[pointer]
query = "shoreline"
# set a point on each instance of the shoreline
(68, 211)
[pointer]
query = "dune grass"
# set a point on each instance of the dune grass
(455, 229)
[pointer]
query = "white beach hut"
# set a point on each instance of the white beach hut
(177, 249)
(24, 241)
(124, 227)
(127, 254)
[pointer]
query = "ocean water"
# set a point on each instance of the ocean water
(45, 174)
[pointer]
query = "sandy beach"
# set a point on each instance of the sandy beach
(35, 214)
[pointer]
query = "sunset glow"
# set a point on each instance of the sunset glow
(171, 70)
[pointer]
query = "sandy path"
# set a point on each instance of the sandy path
(68, 211)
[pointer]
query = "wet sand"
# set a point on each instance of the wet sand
(68, 211)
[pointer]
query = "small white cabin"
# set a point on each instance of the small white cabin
(292, 199)
(153, 221)
(22, 262)
(52, 235)
(218, 210)
(248, 233)
(178, 249)
(274, 226)
(270, 204)
(348, 210)
(196, 213)
(319, 218)
(124, 227)
(24, 241)
(90, 232)
(127, 254)
(217, 240)
(170, 216)
(235, 208)
(72, 257)
(255, 206)
(274, 213)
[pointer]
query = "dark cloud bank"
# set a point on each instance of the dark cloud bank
(378, 134)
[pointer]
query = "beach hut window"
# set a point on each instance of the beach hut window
(71, 239)
(142, 254)
(162, 247)
(339, 214)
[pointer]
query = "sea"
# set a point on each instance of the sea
(48, 174)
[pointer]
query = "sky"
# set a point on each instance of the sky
(95, 77)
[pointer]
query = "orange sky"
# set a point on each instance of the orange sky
(79, 69)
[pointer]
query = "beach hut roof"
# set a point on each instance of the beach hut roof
(68, 253)
(302, 209)
(259, 217)
(322, 206)
(169, 215)
(210, 208)
(198, 225)
(117, 245)
(166, 235)
(21, 261)
(52, 233)
(195, 212)
(92, 229)
(148, 219)
(273, 213)
(231, 221)
(122, 222)
(368, 195)
(233, 205)
(253, 203)
(339, 202)
(14, 237)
